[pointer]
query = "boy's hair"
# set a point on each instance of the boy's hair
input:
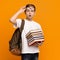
(31, 5)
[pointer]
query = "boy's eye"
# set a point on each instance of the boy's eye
(32, 10)
(27, 10)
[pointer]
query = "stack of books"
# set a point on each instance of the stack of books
(35, 37)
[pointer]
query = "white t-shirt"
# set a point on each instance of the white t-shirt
(29, 25)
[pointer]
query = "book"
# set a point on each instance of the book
(35, 36)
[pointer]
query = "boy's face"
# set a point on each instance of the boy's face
(30, 12)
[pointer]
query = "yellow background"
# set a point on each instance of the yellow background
(47, 14)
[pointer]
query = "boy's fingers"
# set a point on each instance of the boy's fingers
(24, 7)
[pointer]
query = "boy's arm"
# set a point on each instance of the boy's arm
(13, 18)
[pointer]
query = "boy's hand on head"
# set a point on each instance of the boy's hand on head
(22, 9)
(13, 18)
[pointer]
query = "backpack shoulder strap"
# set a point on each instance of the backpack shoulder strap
(22, 25)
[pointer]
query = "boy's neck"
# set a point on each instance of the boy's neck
(29, 19)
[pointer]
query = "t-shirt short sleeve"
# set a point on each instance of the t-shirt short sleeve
(39, 26)
(18, 23)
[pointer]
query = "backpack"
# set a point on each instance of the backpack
(15, 44)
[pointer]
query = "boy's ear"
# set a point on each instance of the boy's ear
(25, 11)
(35, 13)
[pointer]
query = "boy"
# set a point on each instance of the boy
(28, 52)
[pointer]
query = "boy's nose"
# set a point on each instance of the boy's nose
(29, 12)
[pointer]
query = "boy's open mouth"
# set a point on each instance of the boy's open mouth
(29, 15)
